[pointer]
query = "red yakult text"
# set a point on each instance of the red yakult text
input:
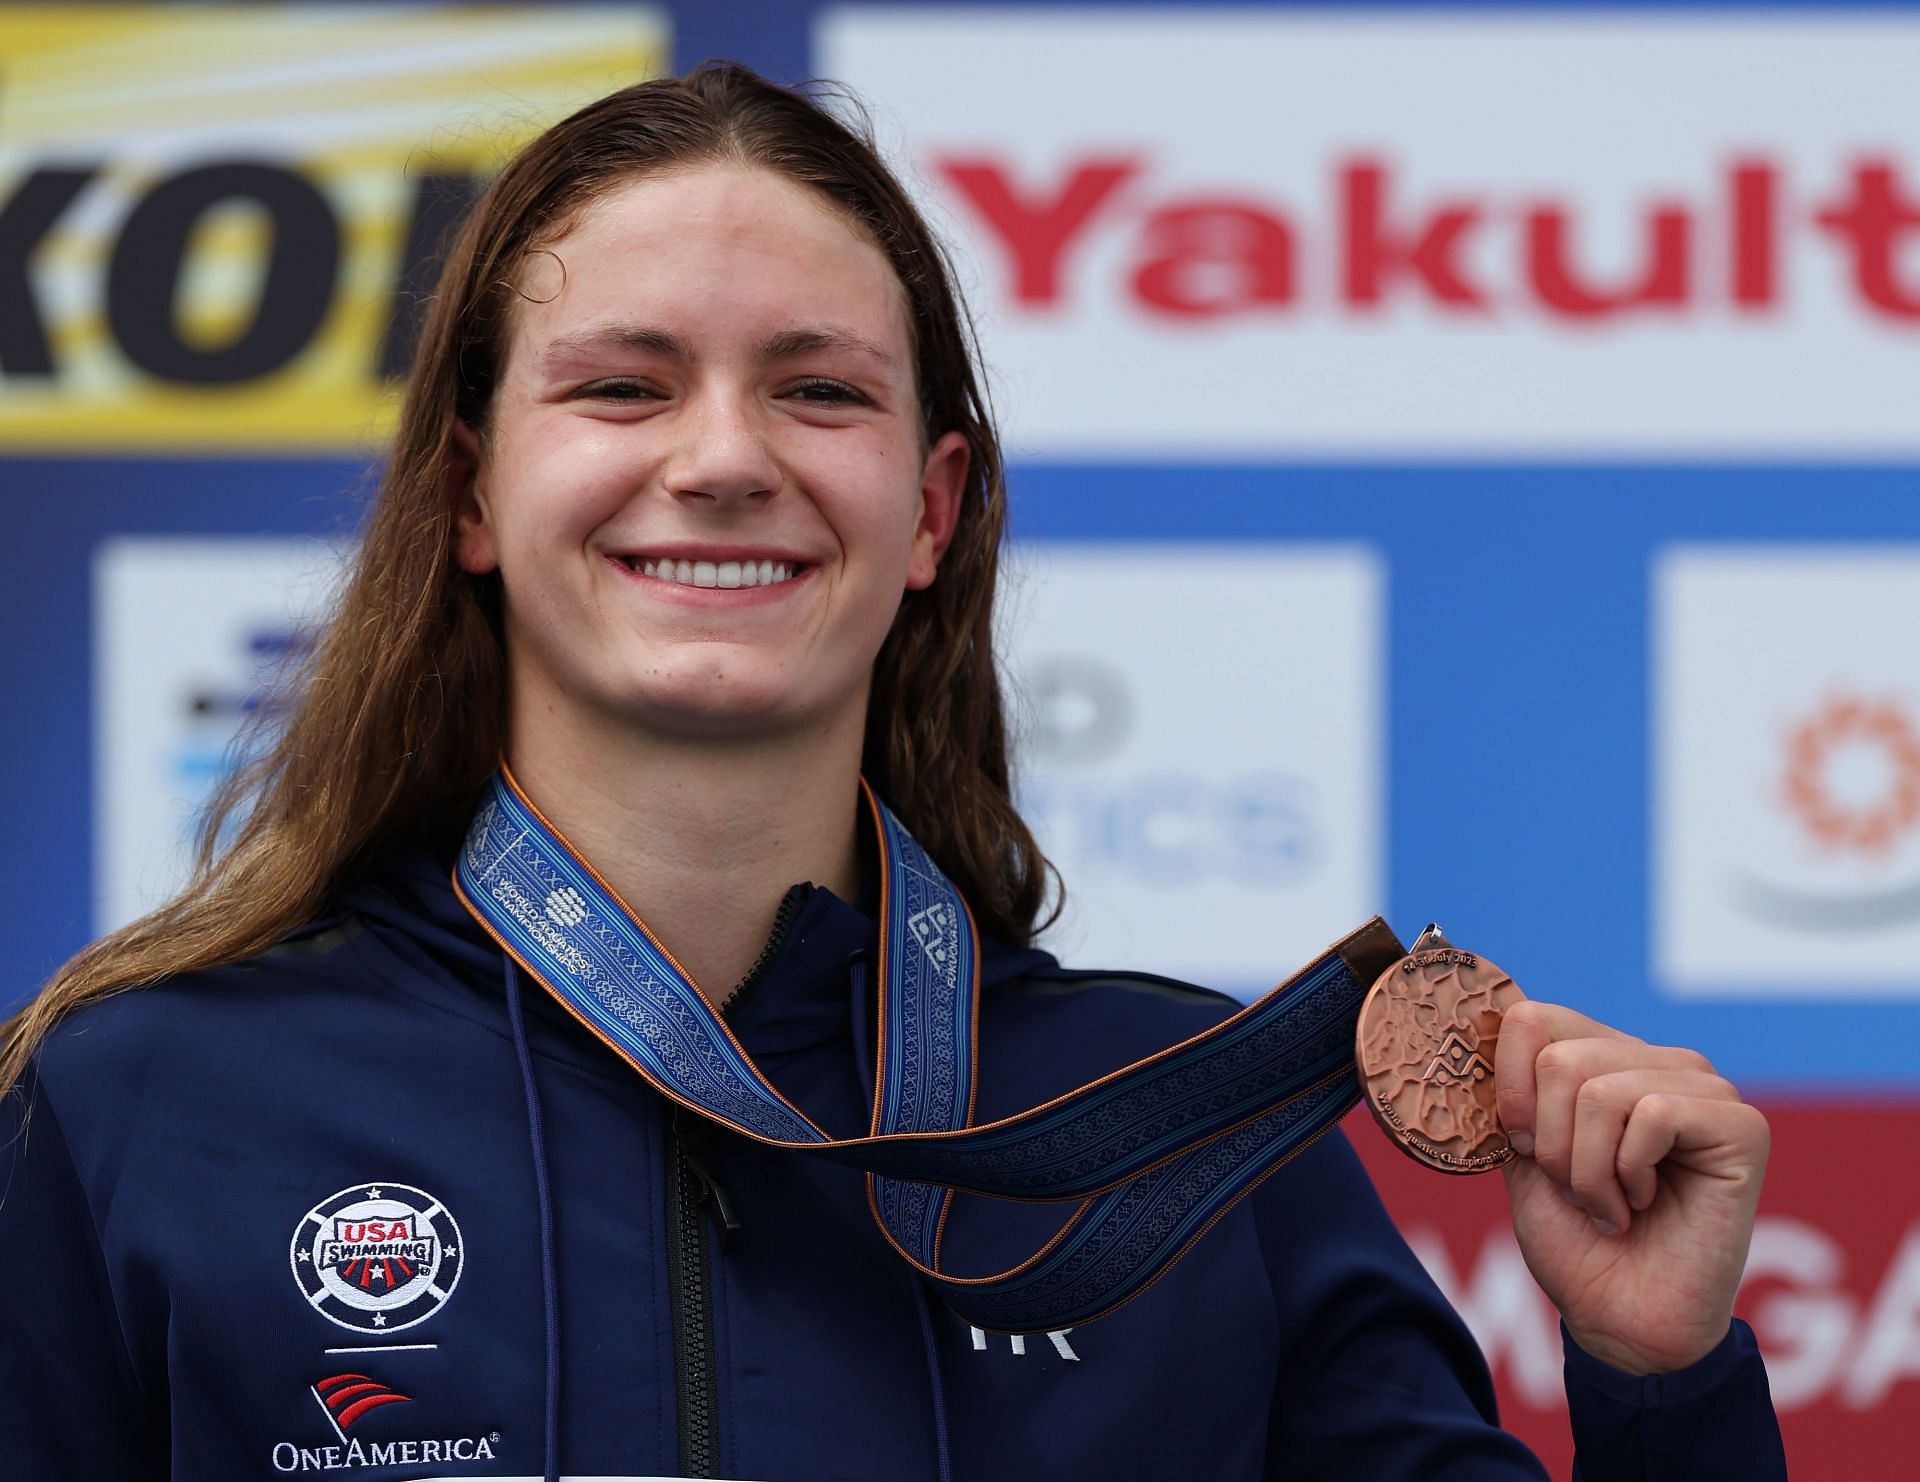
(1374, 244)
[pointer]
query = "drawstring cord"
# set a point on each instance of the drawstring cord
(863, 1067)
(933, 1374)
(538, 1137)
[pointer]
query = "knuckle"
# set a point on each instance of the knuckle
(1602, 1093)
(1556, 1162)
(1590, 1181)
(1558, 1059)
(1528, 1014)
(1687, 1058)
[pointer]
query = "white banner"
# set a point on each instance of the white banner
(189, 637)
(1239, 233)
(1201, 750)
(1786, 713)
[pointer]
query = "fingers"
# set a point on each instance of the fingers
(1623, 1124)
(1561, 1072)
(1596, 1109)
(1722, 1137)
(1526, 1030)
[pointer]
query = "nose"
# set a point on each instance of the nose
(722, 455)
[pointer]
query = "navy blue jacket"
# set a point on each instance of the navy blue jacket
(371, 1204)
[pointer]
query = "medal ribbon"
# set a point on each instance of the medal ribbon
(1154, 1153)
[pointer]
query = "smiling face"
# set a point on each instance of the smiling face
(703, 481)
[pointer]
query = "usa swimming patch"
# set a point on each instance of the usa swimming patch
(377, 1257)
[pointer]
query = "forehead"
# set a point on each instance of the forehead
(710, 254)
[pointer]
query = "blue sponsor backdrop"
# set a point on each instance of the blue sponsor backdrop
(1517, 713)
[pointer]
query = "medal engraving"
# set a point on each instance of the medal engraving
(1428, 1033)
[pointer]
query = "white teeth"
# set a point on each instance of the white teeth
(728, 574)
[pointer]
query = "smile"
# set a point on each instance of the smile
(728, 574)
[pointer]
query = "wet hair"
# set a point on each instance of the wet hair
(399, 717)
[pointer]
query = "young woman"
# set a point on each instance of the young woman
(414, 1154)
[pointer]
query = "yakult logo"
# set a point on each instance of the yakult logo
(1473, 250)
(1303, 234)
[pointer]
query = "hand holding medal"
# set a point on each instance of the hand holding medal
(1633, 1170)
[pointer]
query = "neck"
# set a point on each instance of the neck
(702, 838)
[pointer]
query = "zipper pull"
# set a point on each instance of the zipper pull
(722, 1205)
(691, 1132)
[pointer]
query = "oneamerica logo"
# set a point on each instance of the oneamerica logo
(288, 1457)
(377, 1257)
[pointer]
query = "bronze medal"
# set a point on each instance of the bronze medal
(1428, 1032)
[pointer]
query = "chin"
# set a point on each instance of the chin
(709, 711)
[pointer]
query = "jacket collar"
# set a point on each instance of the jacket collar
(799, 1001)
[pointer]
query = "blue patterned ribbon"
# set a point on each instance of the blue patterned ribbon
(1153, 1153)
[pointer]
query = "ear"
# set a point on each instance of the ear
(942, 482)
(474, 545)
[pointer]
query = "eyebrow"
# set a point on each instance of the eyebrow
(791, 342)
(618, 337)
(782, 345)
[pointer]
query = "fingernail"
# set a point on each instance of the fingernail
(1606, 1227)
(1522, 1143)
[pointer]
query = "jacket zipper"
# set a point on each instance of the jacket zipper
(690, 1185)
(692, 1308)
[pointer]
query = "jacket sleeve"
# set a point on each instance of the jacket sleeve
(1378, 1376)
(1710, 1422)
(70, 1408)
(1380, 1379)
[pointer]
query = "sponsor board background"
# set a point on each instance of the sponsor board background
(1832, 1287)
(1526, 612)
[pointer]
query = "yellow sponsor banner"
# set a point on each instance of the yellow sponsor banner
(217, 223)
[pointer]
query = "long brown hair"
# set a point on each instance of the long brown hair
(399, 717)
